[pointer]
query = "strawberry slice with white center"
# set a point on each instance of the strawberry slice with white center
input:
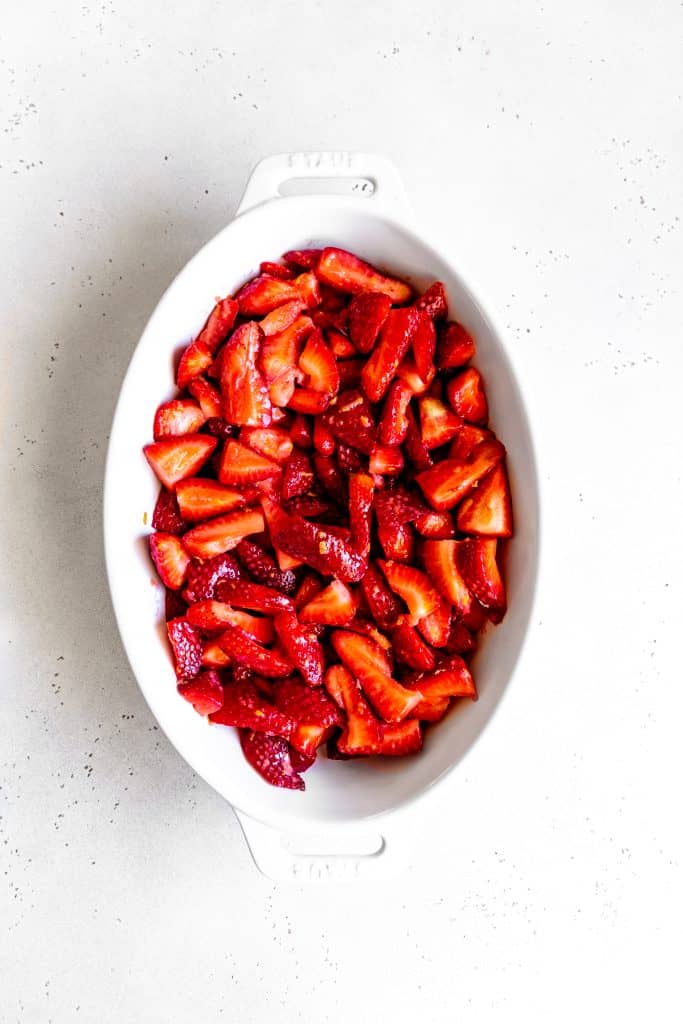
(467, 396)
(245, 396)
(279, 359)
(178, 417)
(263, 294)
(318, 363)
(273, 442)
(362, 732)
(413, 586)
(476, 558)
(209, 397)
(335, 605)
(368, 663)
(439, 560)
(241, 466)
(176, 458)
(347, 273)
(170, 558)
(487, 510)
(438, 424)
(400, 738)
(224, 533)
(201, 498)
(448, 482)
(450, 678)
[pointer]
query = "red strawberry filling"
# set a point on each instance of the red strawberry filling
(332, 511)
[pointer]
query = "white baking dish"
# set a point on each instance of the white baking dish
(345, 802)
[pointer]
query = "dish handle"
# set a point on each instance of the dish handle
(366, 176)
(348, 854)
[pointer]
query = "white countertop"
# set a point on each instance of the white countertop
(543, 145)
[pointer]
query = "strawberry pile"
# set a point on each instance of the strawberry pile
(331, 507)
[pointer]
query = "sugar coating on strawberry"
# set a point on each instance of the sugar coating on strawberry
(331, 493)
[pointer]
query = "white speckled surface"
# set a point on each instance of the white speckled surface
(543, 142)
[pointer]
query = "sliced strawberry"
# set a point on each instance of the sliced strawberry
(434, 301)
(350, 421)
(204, 692)
(487, 510)
(415, 450)
(301, 646)
(276, 270)
(397, 541)
(367, 313)
(413, 586)
(273, 442)
(213, 656)
(386, 460)
(241, 465)
(245, 651)
(424, 346)
(335, 321)
(311, 506)
(305, 704)
(271, 757)
(209, 398)
(194, 361)
(332, 301)
(262, 568)
(246, 707)
(323, 440)
(393, 425)
(304, 258)
(438, 424)
(394, 341)
(368, 663)
(202, 577)
(306, 400)
(309, 288)
(362, 731)
(224, 533)
(476, 618)
(448, 482)
(431, 709)
(220, 322)
(318, 547)
(245, 396)
(263, 294)
(335, 605)
(361, 490)
(187, 648)
(383, 604)
(410, 375)
(347, 273)
(278, 320)
(436, 626)
(215, 616)
(279, 358)
(451, 678)
(460, 640)
(365, 628)
(439, 560)
(410, 648)
(170, 558)
(456, 347)
(467, 439)
(467, 396)
(176, 418)
(349, 373)
(175, 458)
(166, 516)
(436, 525)
(255, 596)
(339, 344)
(476, 559)
(304, 743)
(200, 498)
(318, 363)
(400, 738)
